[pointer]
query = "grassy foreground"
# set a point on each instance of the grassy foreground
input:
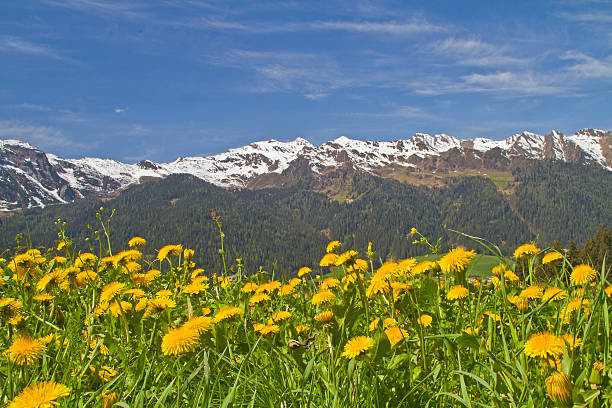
(130, 330)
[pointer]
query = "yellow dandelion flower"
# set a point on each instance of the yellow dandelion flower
(495, 317)
(259, 297)
(395, 335)
(108, 399)
(457, 260)
(110, 291)
(302, 328)
(295, 282)
(499, 269)
(374, 324)
(195, 288)
(347, 257)
(200, 324)
(169, 251)
(544, 345)
(526, 250)
(330, 283)
(559, 388)
(281, 315)
(404, 267)
(85, 259)
(266, 329)
(425, 320)
(286, 290)
(521, 303)
(553, 294)
(357, 346)
(333, 246)
(328, 259)
(44, 297)
(608, 291)
(457, 292)
(582, 274)
(359, 265)
(59, 260)
(137, 242)
(188, 253)
(227, 312)
(249, 287)
(25, 350)
(572, 341)
(323, 296)
(107, 373)
(131, 255)
(87, 276)
(179, 341)
(304, 271)
(551, 257)
(268, 287)
(532, 292)
(51, 280)
(40, 395)
(324, 317)
(423, 267)
(398, 288)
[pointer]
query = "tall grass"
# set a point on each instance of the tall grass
(110, 346)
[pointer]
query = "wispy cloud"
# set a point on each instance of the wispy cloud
(45, 137)
(400, 112)
(16, 45)
(475, 52)
(578, 17)
(120, 110)
(589, 67)
(130, 9)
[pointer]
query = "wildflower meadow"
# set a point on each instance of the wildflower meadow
(147, 327)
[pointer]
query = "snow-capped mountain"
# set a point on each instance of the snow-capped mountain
(32, 178)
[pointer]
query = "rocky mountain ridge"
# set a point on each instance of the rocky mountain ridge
(31, 178)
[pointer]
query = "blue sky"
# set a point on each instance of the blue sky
(162, 79)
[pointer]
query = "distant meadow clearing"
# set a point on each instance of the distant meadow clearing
(147, 327)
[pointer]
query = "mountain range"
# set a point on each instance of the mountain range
(32, 178)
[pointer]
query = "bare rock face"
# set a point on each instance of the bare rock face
(28, 179)
(31, 178)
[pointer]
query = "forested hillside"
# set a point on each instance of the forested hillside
(291, 226)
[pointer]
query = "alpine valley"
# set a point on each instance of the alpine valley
(284, 200)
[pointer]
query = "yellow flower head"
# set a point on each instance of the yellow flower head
(347, 257)
(608, 291)
(180, 340)
(304, 270)
(425, 320)
(281, 315)
(249, 287)
(551, 257)
(559, 388)
(169, 251)
(357, 345)
(582, 274)
(553, 294)
(110, 291)
(457, 292)
(286, 290)
(137, 242)
(201, 324)
(333, 246)
(323, 296)
(544, 345)
(328, 259)
(457, 260)
(227, 312)
(395, 335)
(572, 341)
(532, 292)
(374, 324)
(259, 297)
(521, 303)
(330, 283)
(188, 253)
(295, 282)
(324, 317)
(423, 267)
(40, 394)
(526, 250)
(360, 265)
(25, 350)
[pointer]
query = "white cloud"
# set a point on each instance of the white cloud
(44, 137)
(589, 67)
(474, 52)
(17, 45)
(120, 110)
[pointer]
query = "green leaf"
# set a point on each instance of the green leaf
(469, 341)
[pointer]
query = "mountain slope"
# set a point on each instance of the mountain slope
(31, 178)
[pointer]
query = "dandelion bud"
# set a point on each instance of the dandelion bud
(559, 388)
(595, 377)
